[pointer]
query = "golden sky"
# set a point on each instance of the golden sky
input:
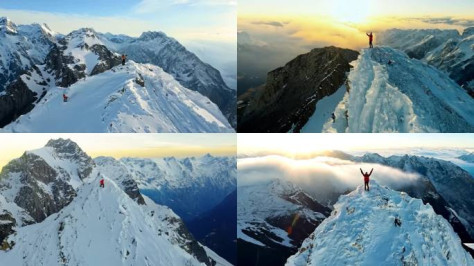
(344, 23)
(124, 145)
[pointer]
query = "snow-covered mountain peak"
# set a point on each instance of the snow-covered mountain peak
(7, 26)
(64, 146)
(104, 225)
(151, 35)
(382, 226)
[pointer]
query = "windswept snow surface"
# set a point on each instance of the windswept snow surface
(102, 226)
(113, 101)
(405, 96)
(361, 231)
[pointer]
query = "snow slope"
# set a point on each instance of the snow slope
(361, 231)
(101, 226)
(114, 101)
(406, 96)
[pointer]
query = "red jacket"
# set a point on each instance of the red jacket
(101, 181)
(371, 37)
(366, 176)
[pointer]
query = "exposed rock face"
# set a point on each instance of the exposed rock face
(68, 150)
(7, 224)
(34, 176)
(189, 243)
(290, 94)
(107, 59)
(17, 100)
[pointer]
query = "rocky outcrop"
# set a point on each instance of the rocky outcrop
(67, 149)
(107, 59)
(290, 94)
(41, 190)
(187, 242)
(131, 188)
(17, 100)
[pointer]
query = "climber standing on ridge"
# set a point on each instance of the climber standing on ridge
(333, 116)
(371, 38)
(65, 97)
(124, 57)
(101, 183)
(366, 178)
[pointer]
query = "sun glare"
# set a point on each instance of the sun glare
(350, 11)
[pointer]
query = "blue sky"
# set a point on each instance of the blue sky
(206, 27)
(182, 19)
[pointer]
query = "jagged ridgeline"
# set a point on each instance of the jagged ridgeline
(53, 212)
(163, 87)
(422, 82)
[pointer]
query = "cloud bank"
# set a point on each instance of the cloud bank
(324, 178)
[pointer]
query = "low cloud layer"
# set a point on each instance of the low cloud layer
(323, 177)
(270, 23)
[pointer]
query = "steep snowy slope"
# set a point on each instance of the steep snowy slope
(130, 98)
(273, 218)
(361, 231)
(21, 47)
(447, 50)
(404, 96)
(163, 51)
(104, 226)
(451, 182)
(189, 186)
